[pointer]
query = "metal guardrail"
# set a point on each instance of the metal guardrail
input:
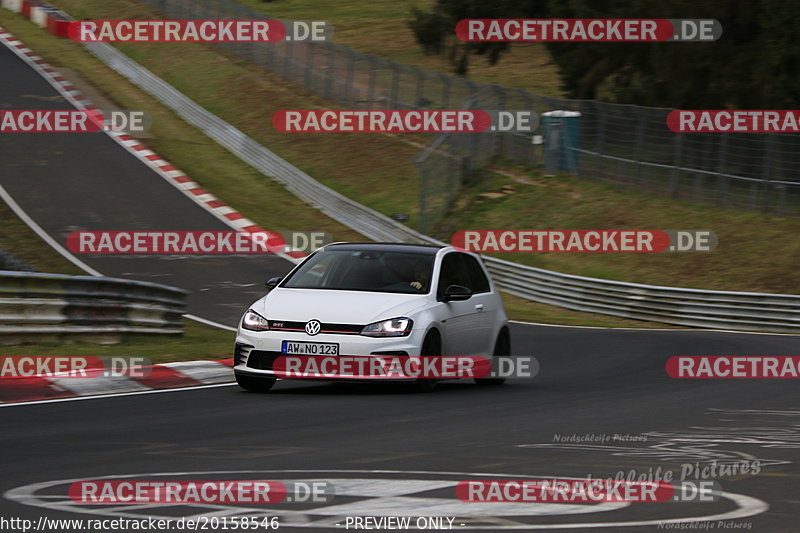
(670, 305)
(37, 307)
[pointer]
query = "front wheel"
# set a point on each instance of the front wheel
(501, 347)
(255, 384)
(431, 346)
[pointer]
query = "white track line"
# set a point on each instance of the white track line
(103, 396)
(209, 322)
(655, 329)
(43, 234)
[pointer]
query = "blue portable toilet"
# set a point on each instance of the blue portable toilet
(561, 130)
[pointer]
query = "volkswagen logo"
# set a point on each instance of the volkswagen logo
(313, 327)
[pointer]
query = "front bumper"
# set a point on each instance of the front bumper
(256, 351)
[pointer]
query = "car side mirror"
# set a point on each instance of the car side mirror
(273, 282)
(456, 293)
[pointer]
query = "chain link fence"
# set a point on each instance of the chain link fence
(625, 145)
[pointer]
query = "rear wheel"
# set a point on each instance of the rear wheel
(430, 347)
(255, 384)
(501, 347)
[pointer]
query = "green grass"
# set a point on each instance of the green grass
(756, 252)
(380, 27)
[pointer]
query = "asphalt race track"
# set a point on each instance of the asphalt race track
(386, 450)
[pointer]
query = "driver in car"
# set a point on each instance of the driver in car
(421, 276)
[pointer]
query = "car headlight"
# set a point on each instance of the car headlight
(254, 322)
(394, 327)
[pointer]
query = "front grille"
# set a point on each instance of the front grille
(261, 360)
(240, 353)
(338, 329)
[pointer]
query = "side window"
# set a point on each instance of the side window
(452, 273)
(477, 279)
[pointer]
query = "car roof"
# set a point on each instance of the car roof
(385, 247)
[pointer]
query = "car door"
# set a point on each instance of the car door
(485, 306)
(461, 316)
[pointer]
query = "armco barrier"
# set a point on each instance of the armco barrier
(669, 305)
(38, 307)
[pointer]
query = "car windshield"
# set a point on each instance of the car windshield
(364, 270)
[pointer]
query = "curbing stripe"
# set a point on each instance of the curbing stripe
(163, 376)
(97, 385)
(206, 372)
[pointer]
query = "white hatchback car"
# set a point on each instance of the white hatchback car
(362, 299)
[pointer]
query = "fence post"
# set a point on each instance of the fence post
(699, 178)
(676, 166)
(270, 63)
(532, 145)
(445, 104)
(423, 194)
(722, 155)
(373, 73)
(601, 135)
(309, 65)
(639, 145)
(453, 185)
(419, 98)
(330, 71)
(348, 84)
(396, 73)
(287, 60)
(472, 152)
(498, 139)
(767, 172)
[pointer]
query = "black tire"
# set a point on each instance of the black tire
(255, 384)
(431, 346)
(502, 346)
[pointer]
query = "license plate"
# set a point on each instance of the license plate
(309, 348)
